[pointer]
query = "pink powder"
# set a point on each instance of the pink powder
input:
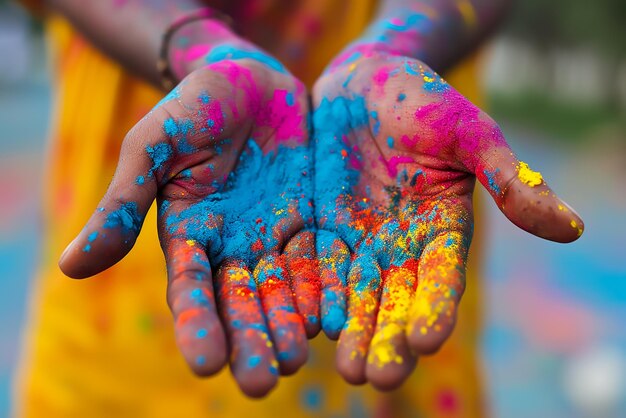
(392, 164)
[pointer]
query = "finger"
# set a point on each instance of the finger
(113, 228)
(305, 280)
(441, 282)
(252, 359)
(334, 258)
(285, 323)
(199, 333)
(520, 192)
(390, 360)
(364, 291)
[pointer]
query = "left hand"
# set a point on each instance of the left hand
(397, 154)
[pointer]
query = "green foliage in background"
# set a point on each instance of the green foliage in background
(548, 24)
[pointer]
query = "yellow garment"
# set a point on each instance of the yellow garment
(104, 347)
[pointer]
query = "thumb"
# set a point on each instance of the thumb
(521, 193)
(113, 228)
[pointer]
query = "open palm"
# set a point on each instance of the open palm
(226, 156)
(397, 151)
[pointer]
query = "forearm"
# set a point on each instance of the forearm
(131, 32)
(437, 32)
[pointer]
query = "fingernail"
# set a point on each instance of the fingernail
(571, 209)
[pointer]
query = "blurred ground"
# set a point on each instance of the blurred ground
(554, 343)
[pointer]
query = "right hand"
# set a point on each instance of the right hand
(226, 156)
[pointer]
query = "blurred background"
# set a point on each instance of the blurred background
(554, 340)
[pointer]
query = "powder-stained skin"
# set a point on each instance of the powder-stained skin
(268, 241)
(397, 151)
(226, 155)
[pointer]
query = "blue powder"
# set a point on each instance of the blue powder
(491, 179)
(369, 274)
(186, 173)
(376, 127)
(159, 154)
(180, 128)
(273, 370)
(438, 85)
(254, 361)
(353, 57)
(170, 127)
(312, 398)
(201, 333)
(333, 174)
(198, 296)
(92, 237)
(200, 360)
(401, 97)
(174, 94)
(261, 187)
(414, 21)
(283, 355)
(230, 52)
(289, 99)
(348, 79)
(390, 142)
(164, 206)
(140, 180)
(204, 97)
(126, 217)
(408, 67)
(333, 320)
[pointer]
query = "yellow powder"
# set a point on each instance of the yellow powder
(575, 226)
(528, 176)
(382, 351)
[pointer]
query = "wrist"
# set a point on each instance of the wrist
(190, 45)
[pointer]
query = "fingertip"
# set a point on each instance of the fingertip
(312, 326)
(539, 211)
(291, 362)
(351, 370)
(334, 318)
(257, 389)
(257, 377)
(387, 369)
(351, 357)
(206, 357)
(425, 340)
(106, 238)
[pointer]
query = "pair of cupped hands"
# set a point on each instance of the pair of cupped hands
(281, 213)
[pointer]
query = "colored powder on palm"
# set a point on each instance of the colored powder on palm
(270, 187)
(392, 164)
(284, 118)
(528, 176)
(334, 173)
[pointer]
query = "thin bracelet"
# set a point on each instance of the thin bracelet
(168, 79)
